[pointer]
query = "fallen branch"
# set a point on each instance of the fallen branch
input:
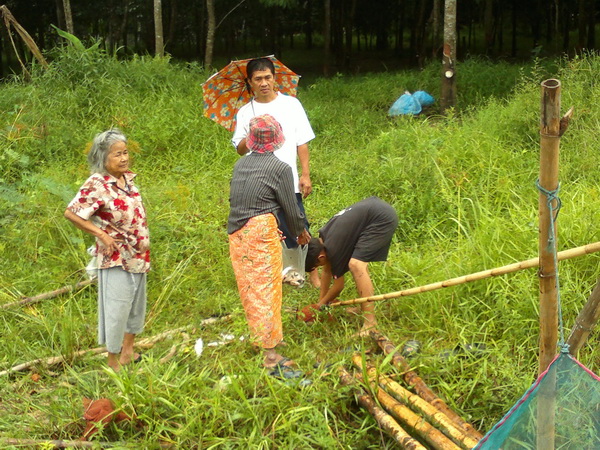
(383, 419)
(144, 343)
(534, 262)
(9, 20)
(419, 405)
(47, 295)
(44, 443)
(412, 379)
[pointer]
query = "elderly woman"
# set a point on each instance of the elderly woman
(109, 207)
(261, 186)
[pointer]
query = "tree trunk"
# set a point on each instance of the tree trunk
(159, 46)
(488, 26)
(123, 30)
(448, 97)
(172, 21)
(327, 39)
(68, 16)
(513, 38)
(60, 14)
(308, 27)
(591, 37)
(349, 21)
(436, 28)
(210, 33)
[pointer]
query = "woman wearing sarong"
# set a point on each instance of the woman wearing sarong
(261, 186)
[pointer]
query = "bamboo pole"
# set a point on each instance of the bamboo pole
(144, 343)
(419, 405)
(527, 264)
(386, 421)
(412, 379)
(549, 156)
(585, 322)
(48, 295)
(548, 181)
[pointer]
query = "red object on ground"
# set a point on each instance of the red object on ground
(101, 411)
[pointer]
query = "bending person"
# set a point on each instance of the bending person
(109, 207)
(261, 187)
(357, 235)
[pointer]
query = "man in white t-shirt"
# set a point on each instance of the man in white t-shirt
(288, 111)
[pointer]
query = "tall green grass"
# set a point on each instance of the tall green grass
(463, 186)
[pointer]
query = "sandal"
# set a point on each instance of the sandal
(281, 364)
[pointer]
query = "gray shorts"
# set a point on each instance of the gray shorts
(121, 306)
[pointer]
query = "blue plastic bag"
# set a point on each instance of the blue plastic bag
(423, 98)
(406, 104)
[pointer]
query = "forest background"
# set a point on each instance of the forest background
(463, 184)
(350, 36)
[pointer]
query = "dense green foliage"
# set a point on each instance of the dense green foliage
(464, 189)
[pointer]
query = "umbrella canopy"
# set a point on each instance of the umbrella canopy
(227, 91)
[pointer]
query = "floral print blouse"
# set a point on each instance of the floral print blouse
(121, 214)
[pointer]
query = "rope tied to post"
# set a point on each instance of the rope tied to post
(554, 205)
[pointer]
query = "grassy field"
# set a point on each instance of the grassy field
(463, 187)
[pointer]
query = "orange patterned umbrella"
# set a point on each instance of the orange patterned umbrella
(227, 91)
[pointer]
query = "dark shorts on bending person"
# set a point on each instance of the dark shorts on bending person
(290, 239)
(375, 240)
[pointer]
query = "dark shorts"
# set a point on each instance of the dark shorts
(290, 239)
(375, 240)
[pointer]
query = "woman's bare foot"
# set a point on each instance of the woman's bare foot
(273, 359)
(129, 358)
(366, 329)
(113, 362)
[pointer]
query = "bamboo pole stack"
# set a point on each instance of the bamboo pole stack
(416, 419)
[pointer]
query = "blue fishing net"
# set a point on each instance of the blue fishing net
(569, 394)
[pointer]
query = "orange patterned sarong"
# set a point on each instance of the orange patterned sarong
(255, 252)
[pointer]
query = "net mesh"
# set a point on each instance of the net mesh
(567, 393)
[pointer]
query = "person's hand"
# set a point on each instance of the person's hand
(281, 236)
(304, 238)
(109, 243)
(305, 186)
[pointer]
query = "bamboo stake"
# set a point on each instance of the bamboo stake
(429, 412)
(549, 156)
(527, 264)
(548, 180)
(585, 322)
(144, 343)
(412, 379)
(386, 421)
(44, 443)
(48, 295)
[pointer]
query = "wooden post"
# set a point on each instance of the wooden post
(548, 181)
(585, 322)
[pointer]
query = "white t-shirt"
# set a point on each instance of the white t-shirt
(288, 111)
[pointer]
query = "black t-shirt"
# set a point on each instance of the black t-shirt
(362, 231)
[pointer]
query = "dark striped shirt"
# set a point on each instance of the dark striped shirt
(262, 184)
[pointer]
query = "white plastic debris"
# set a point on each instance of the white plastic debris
(199, 347)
